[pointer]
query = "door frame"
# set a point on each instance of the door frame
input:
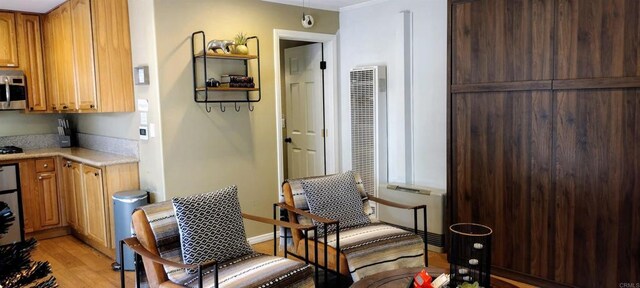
(332, 141)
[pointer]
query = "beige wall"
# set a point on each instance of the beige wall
(14, 123)
(206, 151)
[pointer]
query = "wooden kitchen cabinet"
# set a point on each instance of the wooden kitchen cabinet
(88, 41)
(88, 191)
(40, 197)
(59, 59)
(8, 44)
(48, 200)
(29, 37)
(96, 208)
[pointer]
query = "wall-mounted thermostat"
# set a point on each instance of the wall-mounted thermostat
(141, 75)
(144, 133)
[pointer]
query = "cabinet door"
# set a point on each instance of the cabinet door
(113, 55)
(65, 68)
(29, 201)
(501, 41)
(48, 199)
(8, 45)
(53, 80)
(597, 39)
(77, 175)
(30, 48)
(68, 189)
(83, 54)
(96, 209)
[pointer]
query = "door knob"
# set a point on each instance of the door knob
(288, 140)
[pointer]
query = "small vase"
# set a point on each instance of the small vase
(242, 49)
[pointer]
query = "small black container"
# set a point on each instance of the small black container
(470, 254)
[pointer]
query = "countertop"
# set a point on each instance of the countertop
(82, 155)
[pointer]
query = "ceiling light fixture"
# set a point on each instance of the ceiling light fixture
(307, 19)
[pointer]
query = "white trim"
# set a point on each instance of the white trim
(362, 5)
(260, 238)
(331, 96)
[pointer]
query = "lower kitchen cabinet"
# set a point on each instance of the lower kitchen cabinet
(40, 197)
(88, 204)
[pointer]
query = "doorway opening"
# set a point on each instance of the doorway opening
(306, 98)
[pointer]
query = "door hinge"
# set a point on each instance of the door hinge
(323, 65)
(325, 133)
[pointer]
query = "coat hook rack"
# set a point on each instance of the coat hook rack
(222, 108)
(250, 106)
(206, 107)
(236, 106)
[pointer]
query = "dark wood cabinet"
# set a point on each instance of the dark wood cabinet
(502, 40)
(544, 130)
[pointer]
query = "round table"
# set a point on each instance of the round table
(400, 278)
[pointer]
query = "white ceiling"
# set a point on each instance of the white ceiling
(333, 5)
(41, 6)
(38, 6)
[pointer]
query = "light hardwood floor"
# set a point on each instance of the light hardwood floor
(75, 264)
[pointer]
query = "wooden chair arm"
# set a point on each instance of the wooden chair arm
(394, 204)
(277, 222)
(306, 214)
(137, 247)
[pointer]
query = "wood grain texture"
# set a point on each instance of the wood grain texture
(85, 82)
(8, 43)
(597, 83)
(502, 41)
(112, 46)
(118, 178)
(502, 86)
(597, 39)
(502, 160)
(29, 34)
(597, 168)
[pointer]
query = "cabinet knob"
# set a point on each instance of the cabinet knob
(68, 164)
(65, 107)
(30, 108)
(96, 174)
(92, 106)
(39, 177)
(45, 165)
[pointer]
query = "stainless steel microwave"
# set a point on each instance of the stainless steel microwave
(13, 90)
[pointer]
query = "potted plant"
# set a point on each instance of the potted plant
(241, 44)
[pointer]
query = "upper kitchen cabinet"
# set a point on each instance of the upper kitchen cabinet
(29, 37)
(501, 41)
(87, 42)
(597, 39)
(8, 43)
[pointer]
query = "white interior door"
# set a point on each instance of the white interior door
(304, 111)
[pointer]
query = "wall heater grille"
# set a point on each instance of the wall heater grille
(368, 125)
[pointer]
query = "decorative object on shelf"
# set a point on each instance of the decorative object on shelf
(241, 44)
(212, 82)
(205, 91)
(470, 255)
(307, 20)
(224, 45)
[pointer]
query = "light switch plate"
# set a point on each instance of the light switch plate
(141, 75)
(144, 133)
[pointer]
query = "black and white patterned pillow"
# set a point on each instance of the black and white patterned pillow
(211, 227)
(335, 197)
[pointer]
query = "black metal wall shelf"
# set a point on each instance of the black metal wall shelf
(200, 89)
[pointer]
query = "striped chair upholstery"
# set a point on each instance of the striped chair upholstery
(157, 230)
(364, 250)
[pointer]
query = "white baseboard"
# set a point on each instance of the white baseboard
(261, 238)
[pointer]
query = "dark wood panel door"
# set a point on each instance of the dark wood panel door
(597, 172)
(502, 155)
(597, 39)
(502, 41)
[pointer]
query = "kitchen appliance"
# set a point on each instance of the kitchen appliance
(13, 90)
(10, 150)
(10, 194)
(416, 195)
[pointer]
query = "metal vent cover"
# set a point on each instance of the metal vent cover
(368, 103)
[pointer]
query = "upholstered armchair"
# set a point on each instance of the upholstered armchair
(160, 243)
(356, 248)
